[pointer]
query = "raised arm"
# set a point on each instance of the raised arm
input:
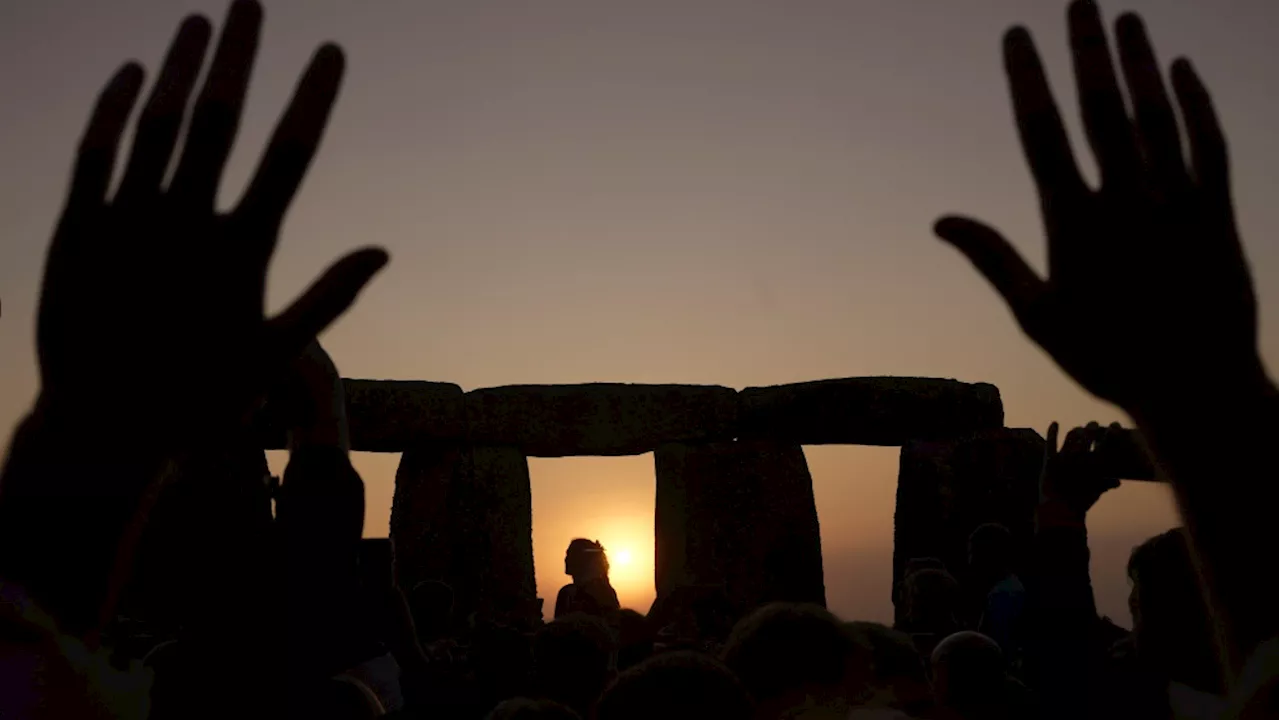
(151, 330)
(1148, 301)
(1062, 613)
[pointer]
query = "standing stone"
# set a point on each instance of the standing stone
(787, 541)
(946, 489)
(465, 516)
(504, 551)
(688, 515)
(429, 484)
(739, 515)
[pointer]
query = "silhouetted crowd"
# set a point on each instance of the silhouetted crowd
(148, 568)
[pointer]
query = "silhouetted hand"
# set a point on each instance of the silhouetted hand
(1073, 478)
(1147, 283)
(314, 402)
(151, 316)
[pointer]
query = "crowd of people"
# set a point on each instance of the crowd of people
(147, 570)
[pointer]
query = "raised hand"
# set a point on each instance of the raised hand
(152, 311)
(314, 402)
(1073, 479)
(1147, 284)
(151, 332)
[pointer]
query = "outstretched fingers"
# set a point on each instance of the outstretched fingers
(1106, 121)
(997, 261)
(97, 155)
(1051, 442)
(1152, 109)
(1208, 144)
(293, 145)
(161, 118)
(1044, 138)
(1079, 440)
(217, 111)
(322, 303)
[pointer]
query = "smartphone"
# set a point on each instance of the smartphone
(377, 563)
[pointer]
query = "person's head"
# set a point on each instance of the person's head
(502, 661)
(431, 604)
(676, 686)
(990, 552)
(573, 660)
(635, 639)
(340, 698)
(923, 563)
(913, 566)
(968, 673)
(712, 612)
(785, 654)
(527, 709)
(931, 602)
(586, 560)
(901, 680)
(1171, 625)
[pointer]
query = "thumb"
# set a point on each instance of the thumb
(992, 256)
(1050, 449)
(326, 299)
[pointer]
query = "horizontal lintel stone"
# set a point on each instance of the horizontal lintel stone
(386, 415)
(870, 410)
(599, 418)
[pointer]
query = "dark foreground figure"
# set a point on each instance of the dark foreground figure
(154, 350)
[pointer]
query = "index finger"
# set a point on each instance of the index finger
(294, 143)
(1040, 128)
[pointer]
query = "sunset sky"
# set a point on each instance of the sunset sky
(727, 192)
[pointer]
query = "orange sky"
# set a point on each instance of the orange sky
(706, 191)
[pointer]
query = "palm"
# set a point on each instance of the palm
(152, 305)
(1149, 261)
(198, 316)
(1073, 475)
(1142, 309)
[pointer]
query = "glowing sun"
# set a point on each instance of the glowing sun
(621, 557)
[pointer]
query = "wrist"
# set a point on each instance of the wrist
(1231, 392)
(97, 435)
(1053, 512)
(329, 431)
(68, 499)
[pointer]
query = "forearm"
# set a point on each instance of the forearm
(1061, 611)
(71, 500)
(1215, 449)
(319, 419)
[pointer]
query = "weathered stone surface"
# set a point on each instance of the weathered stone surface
(688, 513)
(465, 516)
(947, 488)
(500, 477)
(387, 415)
(740, 515)
(869, 410)
(788, 537)
(599, 418)
(391, 415)
(430, 482)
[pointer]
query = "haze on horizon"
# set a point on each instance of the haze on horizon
(719, 192)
